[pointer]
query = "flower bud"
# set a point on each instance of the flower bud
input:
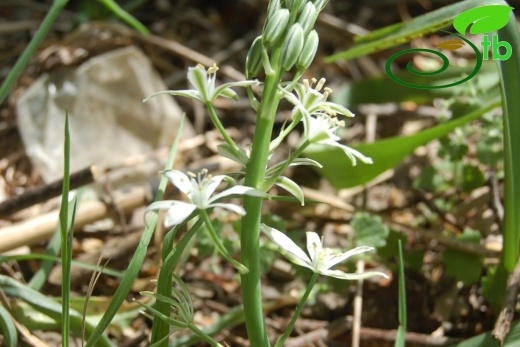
(274, 5)
(308, 17)
(295, 6)
(320, 4)
(309, 50)
(292, 46)
(254, 58)
(275, 26)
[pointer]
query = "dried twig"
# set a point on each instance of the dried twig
(36, 195)
(507, 312)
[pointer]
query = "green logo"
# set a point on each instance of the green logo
(482, 20)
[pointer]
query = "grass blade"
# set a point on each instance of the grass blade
(52, 259)
(53, 249)
(44, 28)
(8, 328)
(510, 85)
(139, 255)
(400, 33)
(66, 237)
(125, 16)
(401, 331)
(49, 307)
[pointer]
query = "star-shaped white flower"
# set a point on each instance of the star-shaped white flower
(321, 259)
(319, 116)
(311, 100)
(199, 190)
(204, 83)
(321, 130)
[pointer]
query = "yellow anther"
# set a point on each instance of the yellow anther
(320, 84)
(313, 80)
(199, 65)
(213, 69)
(306, 84)
(191, 174)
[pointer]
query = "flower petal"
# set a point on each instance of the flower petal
(226, 91)
(180, 180)
(314, 246)
(232, 207)
(212, 186)
(178, 213)
(288, 248)
(160, 205)
(198, 77)
(339, 109)
(238, 190)
(350, 152)
(189, 93)
(339, 257)
(347, 276)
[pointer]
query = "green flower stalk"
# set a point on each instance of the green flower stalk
(288, 41)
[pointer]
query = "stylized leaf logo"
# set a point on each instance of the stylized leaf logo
(451, 45)
(484, 19)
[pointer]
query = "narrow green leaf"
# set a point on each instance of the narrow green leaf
(403, 32)
(8, 328)
(139, 255)
(510, 85)
(485, 340)
(125, 16)
(400, 340)
(49, 307)
(292, 187)
(22, 61)
(53, 259)
(66, 237)
(386, 153)
(485, 19)
(381, 89)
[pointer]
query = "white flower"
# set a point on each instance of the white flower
(321, 259)
(322, 130)
(310, 100)
(204, 83)
(199, 189)
(319, 116)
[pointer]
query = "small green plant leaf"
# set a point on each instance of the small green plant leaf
(370, 230)
(482, 19)
(463, 266)
(472, 177)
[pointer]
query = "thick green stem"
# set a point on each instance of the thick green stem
(299, 309)
(250, 250)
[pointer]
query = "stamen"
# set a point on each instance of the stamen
(313, 80)
(191, 174)
(320, 84)
(306, 84)
(199, 65)
(213, 69)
